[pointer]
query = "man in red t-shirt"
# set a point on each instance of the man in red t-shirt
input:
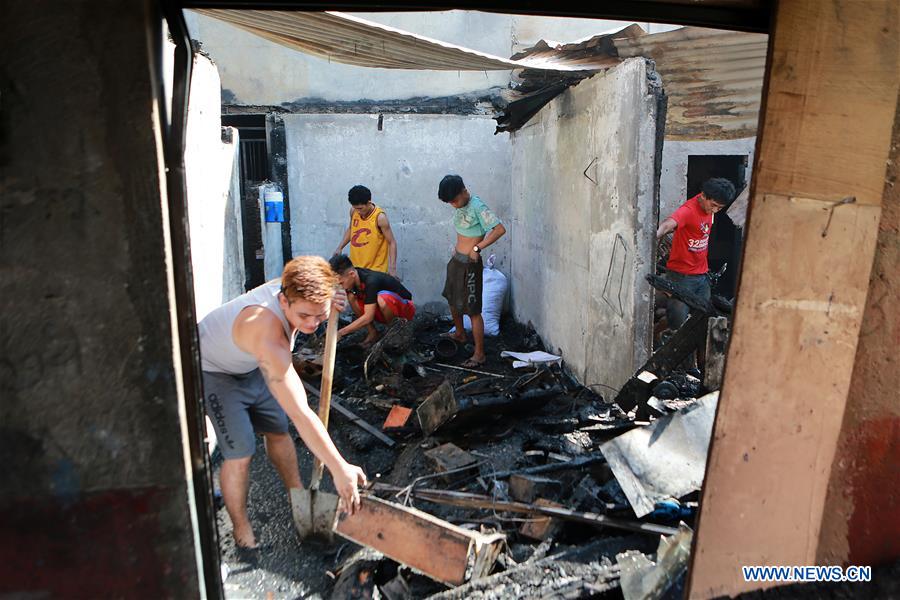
(692, 222)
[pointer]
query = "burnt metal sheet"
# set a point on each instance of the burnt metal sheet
(535, 88)
(348, 39)
(666, 459)
(713, 79)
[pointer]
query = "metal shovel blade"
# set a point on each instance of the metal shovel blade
(314, 512)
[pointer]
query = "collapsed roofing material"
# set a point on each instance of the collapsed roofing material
(344, 38)
(713, 79)
(665, 459)
(535, 88)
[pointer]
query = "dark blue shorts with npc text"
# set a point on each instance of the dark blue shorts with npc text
(239, 405)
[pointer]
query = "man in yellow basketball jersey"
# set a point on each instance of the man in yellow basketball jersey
(372, 243)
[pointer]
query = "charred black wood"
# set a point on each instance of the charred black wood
(690, 337)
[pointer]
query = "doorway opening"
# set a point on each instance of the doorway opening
(254, 156)
(726, 239)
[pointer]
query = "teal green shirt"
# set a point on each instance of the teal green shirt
(474, 219)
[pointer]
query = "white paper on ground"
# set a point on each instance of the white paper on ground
(525, 359)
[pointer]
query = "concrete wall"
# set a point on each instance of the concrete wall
(258, 72)
(402, 164)
(673, 181)
(578, 240)
(212, 169)
(95, 497)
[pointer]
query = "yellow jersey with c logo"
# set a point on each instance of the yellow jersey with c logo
(368, 246)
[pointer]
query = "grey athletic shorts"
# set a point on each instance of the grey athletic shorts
(237, 405)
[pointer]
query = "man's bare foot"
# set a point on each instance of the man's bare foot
(369, 341)
(244, 538)
(475, 361)
(457, 336)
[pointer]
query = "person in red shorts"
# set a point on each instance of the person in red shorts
(374, 297)
(692, 222)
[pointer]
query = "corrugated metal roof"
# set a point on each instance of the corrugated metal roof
(534, 88)
(713, 79)
(348, 39)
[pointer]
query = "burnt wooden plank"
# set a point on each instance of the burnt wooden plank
(438, 549)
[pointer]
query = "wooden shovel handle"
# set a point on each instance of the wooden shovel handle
(325, 395)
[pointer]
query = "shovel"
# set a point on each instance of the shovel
(314, 511)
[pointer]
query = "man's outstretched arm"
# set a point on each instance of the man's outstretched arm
(263, 336)
(346, 239)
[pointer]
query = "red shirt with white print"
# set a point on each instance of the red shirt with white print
(690, 245)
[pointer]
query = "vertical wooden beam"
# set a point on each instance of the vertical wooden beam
(861, 521)
(823, 147)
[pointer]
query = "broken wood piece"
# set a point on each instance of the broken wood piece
(541, 551)
(525, 488)
(421, 541)
(716, 345)
(352, 417)
(438, 408)
(542, 528)
(397, 418)
(443, 408)
(664, 360)
(396, 589)
(478, 501)
(449, 458)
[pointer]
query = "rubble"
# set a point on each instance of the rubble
(444, 409)
(453, 462)
(507, 472)
(525, 488)
(666, 459)
(352, 417)
(666, 358)
(643, 579)
(579, 572)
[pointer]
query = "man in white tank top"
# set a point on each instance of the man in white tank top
(249, 384)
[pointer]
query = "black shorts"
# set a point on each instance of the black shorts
(464, 284)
